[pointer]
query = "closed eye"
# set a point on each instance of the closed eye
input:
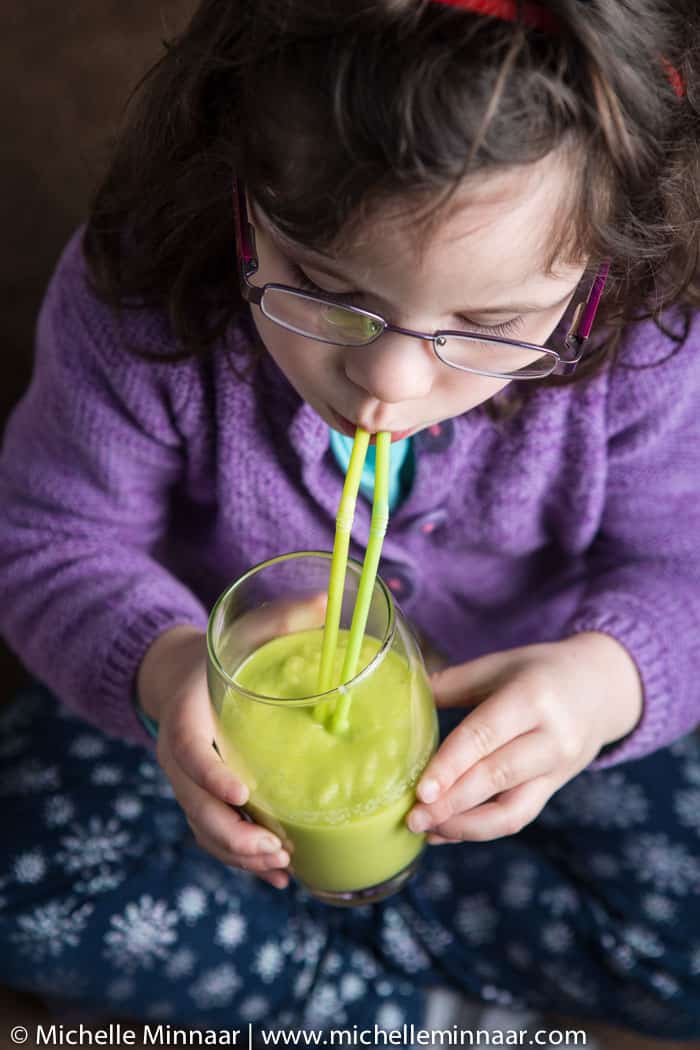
(304, 282)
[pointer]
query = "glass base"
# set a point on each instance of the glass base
(370, 895)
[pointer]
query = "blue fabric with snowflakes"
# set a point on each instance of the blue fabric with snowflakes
(592, 911)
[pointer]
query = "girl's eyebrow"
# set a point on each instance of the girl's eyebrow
(500, 308)
(317, 261)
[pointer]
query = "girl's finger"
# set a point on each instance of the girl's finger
(276, 876)
(491, 725)
(187, 744)
(524, 758)
(507, 815)
(221, 826)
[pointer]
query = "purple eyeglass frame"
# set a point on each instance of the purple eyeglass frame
(574, 341)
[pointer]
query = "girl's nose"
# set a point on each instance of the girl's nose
(395, 368)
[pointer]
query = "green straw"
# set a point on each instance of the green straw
(339, 561)
(377, 531)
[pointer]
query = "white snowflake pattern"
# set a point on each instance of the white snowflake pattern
(303, 981)
(191, 903)
(352, 987)
(621, 957)
(687, 807)
(128, 807)
(384, 988)
(642, 941)
(106, 775)
(141, 934)
(304, 941)
(59, 810)
(476, 919)
(87, 745)
(364, 963)
(398, 941)
(153, 781)
(180, 964)
(667, 865)
(324, 1005)
(430, 932)
(436, 885)
(269, 961)
(603, 800)
(253, 1008)
(89, 847)
(493, 994)
(666, 985)
(518, 887)
(556, 936)
(30, 866)
(572, 983)
(230, 930)
(691, 772)
(389, 1016)
(658, 907)
(216, 987)
(332, 964)
(211, 878)
(51, 928)
(560, 900)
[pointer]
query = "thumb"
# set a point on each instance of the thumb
(467, 684)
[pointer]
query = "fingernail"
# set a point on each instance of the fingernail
(268, 844)
(428, 790)
(418, 821)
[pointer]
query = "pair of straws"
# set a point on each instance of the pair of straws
(337, 719)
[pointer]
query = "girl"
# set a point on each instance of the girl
(385, 213)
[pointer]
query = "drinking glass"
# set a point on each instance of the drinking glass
(337, 798)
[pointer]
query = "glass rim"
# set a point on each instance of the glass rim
(312, 699)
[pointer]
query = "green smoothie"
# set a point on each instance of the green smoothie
(340, 800)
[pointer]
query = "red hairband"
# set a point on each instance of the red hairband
(531, 14)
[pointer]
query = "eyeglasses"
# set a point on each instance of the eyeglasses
(320, 317)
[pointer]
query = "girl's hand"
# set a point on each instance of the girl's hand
(172, 688)
(540, 714)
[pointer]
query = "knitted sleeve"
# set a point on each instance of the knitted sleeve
(89, 460)
(644, 568)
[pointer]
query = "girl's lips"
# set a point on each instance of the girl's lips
(348, 428)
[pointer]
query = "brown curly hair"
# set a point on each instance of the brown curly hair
(325, 108)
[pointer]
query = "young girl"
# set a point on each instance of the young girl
(331, 214)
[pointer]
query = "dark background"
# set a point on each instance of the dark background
(66, 70)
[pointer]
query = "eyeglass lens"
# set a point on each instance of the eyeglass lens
(341, 326)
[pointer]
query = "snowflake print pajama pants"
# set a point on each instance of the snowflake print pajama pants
(591, 911)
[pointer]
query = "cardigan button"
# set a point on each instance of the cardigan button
(429, 523)
(437, 437)
(399, 582)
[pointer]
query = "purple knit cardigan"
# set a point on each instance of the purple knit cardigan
(132, 493)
